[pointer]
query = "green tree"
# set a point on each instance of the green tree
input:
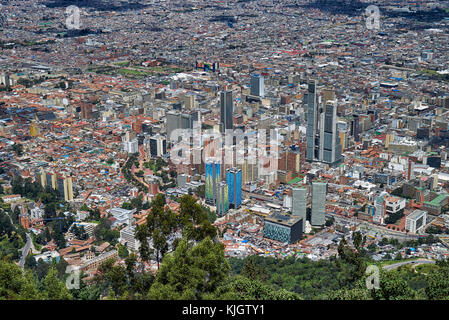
(191, 271)
(55, 289)
(113, 279)
(252, 271)
(122, 251)
(16, 285)
(438, 282)
(160, 225)
(194, 220)
(242, 288)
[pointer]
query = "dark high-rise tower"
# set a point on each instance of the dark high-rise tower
(312, 122)
(226, 111)
(330, 146)
(355, 131)
(257, 85)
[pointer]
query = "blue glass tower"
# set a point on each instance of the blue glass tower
(234, 180)
(212, 179)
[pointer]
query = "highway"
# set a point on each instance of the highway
(415, 262)
(25, 251)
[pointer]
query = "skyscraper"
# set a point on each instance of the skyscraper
(319, 191)
(176, 120)
(257, 85)
(213, 170)
(156, 146)
(68, 188)
(330, 145)
(355, 131)
(322, 140)
(299, 204)
(312, 121)
(226, 111)
(222, 199)
(234, 180)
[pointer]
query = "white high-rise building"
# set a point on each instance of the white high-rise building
(319, 191)
(131, 146)
(299, 204)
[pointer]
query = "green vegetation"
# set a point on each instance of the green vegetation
(132, 73)
(122, 63)
(126, 170)
(394, 217)
(103, 232)
(18, 285)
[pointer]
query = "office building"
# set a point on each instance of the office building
(226, 111)
(213, 173)
(416, 221)
(250, 172)
(319, 191)
(130, 142)
(131, 146)
(156, 146)
(312, 122)
(189, 102)
(299, 204)
(355, 128)
(257, 85)
(222, 199)
(286, 229)
(330, 145)
(177, 120)
(234, 180)
(128, 238)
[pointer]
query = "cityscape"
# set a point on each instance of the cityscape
(224, 150)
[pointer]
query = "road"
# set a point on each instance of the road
(415, 262)
(380, 231)
(25, 251)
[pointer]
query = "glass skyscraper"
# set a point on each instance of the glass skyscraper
(212, 178)
(319, 191)
(257, 85)
(299, 204)
(226, 111)
(234, 180)
(312, 121)
(330, 145)
(222, 199)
